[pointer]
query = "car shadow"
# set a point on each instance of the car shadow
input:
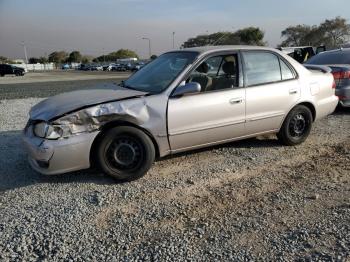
(15, 171)
(260, 142)
(341, 110)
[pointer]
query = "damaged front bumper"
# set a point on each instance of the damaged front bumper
(51, 157)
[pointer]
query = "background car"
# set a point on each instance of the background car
(96, 68)
(137, 66)
(6, 69)
(65, 67)
(339, 62)
(120, 68)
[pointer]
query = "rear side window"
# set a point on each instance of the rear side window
(264, 67)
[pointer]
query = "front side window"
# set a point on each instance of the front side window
(216, 73)
(160, 73)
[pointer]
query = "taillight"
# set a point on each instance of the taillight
(341, 75)
(342, 78)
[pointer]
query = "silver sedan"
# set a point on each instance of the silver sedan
(181, 101)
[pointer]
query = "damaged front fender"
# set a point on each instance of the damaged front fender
(138, 111)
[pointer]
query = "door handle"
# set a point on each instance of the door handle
(234, 101)
(293, 91)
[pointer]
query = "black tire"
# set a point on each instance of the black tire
(2, 75)
(17, 73)
(125, 153)
(296, 127)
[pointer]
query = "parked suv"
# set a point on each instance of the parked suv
(6, 69)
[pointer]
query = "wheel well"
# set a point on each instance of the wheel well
(311, 107)
(112, 124)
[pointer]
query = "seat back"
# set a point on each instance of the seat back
(228, 80)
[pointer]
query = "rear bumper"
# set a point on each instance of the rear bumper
(344, 96)
(326, 106)
(51, 157)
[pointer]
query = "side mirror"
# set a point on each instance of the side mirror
(189, 88)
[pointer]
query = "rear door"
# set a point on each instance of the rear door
(272, 89)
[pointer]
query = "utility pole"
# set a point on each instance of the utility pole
(149, 46)
(173, 40)
(25, 51)
(104, 57)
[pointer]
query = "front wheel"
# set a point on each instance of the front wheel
(296, 127)
(125, 153)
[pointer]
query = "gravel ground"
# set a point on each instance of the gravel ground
(244, 201)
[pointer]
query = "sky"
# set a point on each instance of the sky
(103, 26)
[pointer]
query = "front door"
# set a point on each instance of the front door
(216, 114)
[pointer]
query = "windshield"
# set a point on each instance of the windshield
(160, 73)
(330, 58)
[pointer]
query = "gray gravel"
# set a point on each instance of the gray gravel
(248, 200)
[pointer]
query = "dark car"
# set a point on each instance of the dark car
(6, 69)
(302, 53)
(120, 68)
(339, 61)
(137, 67)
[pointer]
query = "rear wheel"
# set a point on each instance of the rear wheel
(296, 127)
(125, 153)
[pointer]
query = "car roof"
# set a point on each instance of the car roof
(211, 49)
(336, 51)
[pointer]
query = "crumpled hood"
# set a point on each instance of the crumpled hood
(68, 102)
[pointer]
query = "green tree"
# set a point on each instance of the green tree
(336, 31)
(74, 57)
(332, 33)
(3, 59)
(246, 36)
(33, 60)
(43, 60)
(250, 36)
(58, 57)
(86, 59)
(120, 54)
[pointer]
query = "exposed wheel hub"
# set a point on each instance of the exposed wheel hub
(124, 154)
(298, 125)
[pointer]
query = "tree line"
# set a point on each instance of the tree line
(76, 57)
(60, 57)
(332, 33)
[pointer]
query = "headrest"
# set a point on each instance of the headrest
(203, 68)
(229, 68)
